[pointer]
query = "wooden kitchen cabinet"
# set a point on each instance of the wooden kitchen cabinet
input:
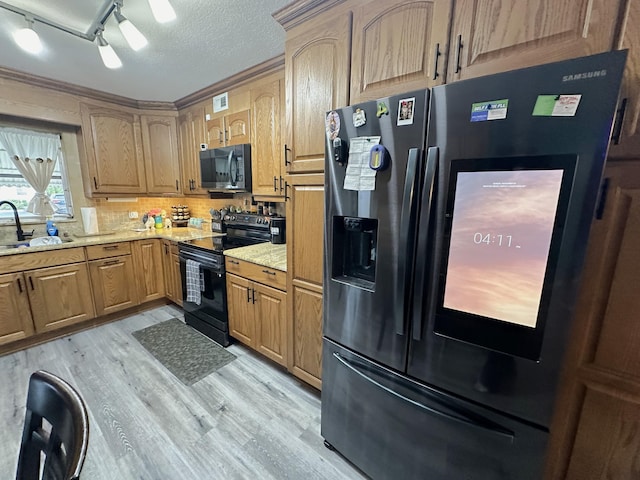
(257, 312)
(59, 296)
(172, 275)
(596, 425)
(267, 163)
(41, 292)
(160, 147)
(113, 147)
(626, 141)
(15, 313)
(495, 36)
(398, 46)
(111, 267)
(149, 271)
(191, 134)
(305, 237)
(230, 129)
(317, 59)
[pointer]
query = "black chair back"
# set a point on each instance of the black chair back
(56, 430)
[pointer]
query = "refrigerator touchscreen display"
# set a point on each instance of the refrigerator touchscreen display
(499, 244)
(504, 221)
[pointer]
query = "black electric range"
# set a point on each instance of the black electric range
(204, 291)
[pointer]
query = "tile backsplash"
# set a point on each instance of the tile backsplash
(114, 214)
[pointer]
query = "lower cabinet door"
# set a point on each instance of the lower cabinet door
(270, 311)
(15, 314)
(59, 296)
(113, 284)
(241, 311)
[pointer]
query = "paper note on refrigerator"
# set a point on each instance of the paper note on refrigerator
(359, 175)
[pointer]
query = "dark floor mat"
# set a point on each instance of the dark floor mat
(185, 352)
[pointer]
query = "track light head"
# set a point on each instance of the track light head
(131, 34)
(108, 54)
(28, 39)
(162, 10)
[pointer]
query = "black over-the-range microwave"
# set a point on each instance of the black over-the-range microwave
(226, 169)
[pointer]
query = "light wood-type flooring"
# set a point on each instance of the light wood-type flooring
(248, 420)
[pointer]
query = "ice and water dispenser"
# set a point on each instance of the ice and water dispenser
(354, 250)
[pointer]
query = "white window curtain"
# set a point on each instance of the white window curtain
(35, 155)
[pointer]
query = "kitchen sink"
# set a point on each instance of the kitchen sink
(39, 242)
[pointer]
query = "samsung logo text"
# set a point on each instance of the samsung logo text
(585, 75)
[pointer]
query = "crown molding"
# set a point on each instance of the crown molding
(298, 12)
(269, 66)
(64, 87)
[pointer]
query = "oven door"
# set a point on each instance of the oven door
(213, 304)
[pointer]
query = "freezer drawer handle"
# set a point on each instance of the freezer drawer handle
(494, 428)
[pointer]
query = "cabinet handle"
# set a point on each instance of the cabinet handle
(275, 184)
(19, 285)
(177, 186)
(281, 179)
(220, 139)
(253, 296)
(31, 283)
(226, 138)
(166, 250)
(286, 186)
(617, 131)
(286, 156)
(234, 262)
(193, 184)
(247, 294)
(111, 247)
(459, 51)
(268, 272)
(95, 182)
(437, 57)
(111, 262)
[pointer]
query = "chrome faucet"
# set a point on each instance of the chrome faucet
(21, 235)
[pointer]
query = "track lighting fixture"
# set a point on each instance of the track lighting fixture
(27, 38)
(131, 34)
(162, 10)
(109, 56)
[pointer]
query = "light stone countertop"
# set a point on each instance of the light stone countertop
(265, 254)
(176, 234)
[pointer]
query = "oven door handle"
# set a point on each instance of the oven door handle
(204, 262)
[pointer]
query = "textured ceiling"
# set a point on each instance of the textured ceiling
(209, 41)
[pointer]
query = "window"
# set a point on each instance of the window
(16, 189)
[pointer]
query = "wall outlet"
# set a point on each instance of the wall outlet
(133, 214)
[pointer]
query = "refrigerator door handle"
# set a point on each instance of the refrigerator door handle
(423, 269)
(491, 427)
(408, 223)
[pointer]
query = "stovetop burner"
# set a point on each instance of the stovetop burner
(212, 244)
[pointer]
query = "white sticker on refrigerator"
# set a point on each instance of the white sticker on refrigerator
(359, 176)
(492, 110)
(556, 105)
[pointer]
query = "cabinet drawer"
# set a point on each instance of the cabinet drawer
(257, 273)
(30, 261)
(96, 252)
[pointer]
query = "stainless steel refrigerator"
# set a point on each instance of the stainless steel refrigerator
(456, 224)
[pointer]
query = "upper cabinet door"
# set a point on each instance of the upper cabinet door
(160, 142)
(490, 36)
(626, 141)
(114, 151)
(215, 132)
(238, 128)
(266, 146)
(317, 59)
(191, 134)
(398, 46)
